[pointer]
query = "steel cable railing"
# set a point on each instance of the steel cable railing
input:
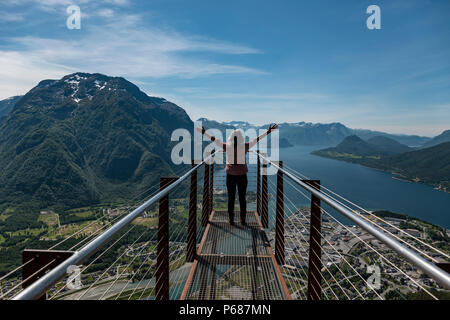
(432, 270)
(293, 228)
(176, 236)
(344, 257)
(370, 247)
(100, 223)
(177, 256)
(335, 250)
(43, 284)
(330, 193)
(100, 256)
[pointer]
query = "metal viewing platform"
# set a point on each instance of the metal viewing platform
(235, 262)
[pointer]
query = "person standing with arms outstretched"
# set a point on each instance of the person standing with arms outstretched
(236, 168)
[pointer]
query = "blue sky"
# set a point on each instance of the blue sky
(259, 61)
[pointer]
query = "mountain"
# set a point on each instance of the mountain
(443, 137)
(212, 124)
(318, 134)
(303, 133)
(244, 125)
(7, 105)
(232, 125)
(300, 133)
(388, 145)
(355, 149)
(284, 143)
(429, 165)
(356, 146)
(85, 138)
(409, 140)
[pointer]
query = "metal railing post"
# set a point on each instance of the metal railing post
(264, 198)
(162, 258)
(258, 185)
(205, 200)
(279, 225)
(315, 250)
(211, 185)
(37, 263)
(192, 223)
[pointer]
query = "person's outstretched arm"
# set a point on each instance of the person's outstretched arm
(212, 138)
(255, 141)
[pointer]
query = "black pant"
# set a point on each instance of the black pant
(241, 183)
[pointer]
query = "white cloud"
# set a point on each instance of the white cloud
(46, 5)
(106, 13)
(123, 48)
(19, 72)
(58, 5)
(11, 17)
(206, 94)
(53, 3)
(118, 2)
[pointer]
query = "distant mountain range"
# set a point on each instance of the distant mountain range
(83, 139)
(89, 138)
(429, 165)
(443, 137)
(317, 134)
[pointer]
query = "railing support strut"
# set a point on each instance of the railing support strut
(162, 258)
(315, 249)
(42, 262)
(211, 185)
(279, 224)
(264, 198)
(192, 223)
(205, 202)
(258, 186)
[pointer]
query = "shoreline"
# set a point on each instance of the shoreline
(395, 175)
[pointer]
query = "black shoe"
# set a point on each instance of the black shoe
(231, 223)
(243, 222)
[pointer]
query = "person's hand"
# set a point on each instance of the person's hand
(272, 127)
(201, 130)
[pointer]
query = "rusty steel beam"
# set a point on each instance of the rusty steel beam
(211, 185)
(162, 259)
(264, 199)
(279, 220)
(315, 250)
(192, 220)
(38, 262)
(205, 202)
(258, 186)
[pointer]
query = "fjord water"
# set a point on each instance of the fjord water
(369, 188)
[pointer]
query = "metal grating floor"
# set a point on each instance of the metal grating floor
(222, 216)
(234, 262)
